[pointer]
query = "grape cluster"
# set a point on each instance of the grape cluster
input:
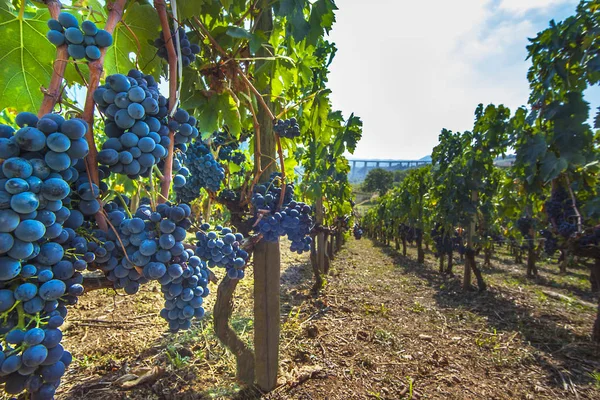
(566, 229)
(288, 128)
(221, 247)
(458, 243)
(238, 157)
(152, 240)
(294, 220)
(413, 234)
(137, 138)
(181, 174)
(550, 242)
(82, 42)
(184, 126)
(441, 241)
(84, 199)
(267, 196)
(188, 50)
(227, 147)
(39, 267)
(358, 232)
(228, 195)
(524, 225)
(561, 212)
(204, 172)
(590, 238)
(226, 153)
(184, 286)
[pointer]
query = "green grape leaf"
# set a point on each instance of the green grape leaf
(293, 11)
(139, 27)
(189, 8)
(230, 113)
(552, 166)
(26, 58)
(256, 42)
(238, 33)
(95, 5)
(208, 114)
(321, 18)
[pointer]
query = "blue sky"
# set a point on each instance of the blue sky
(411, 68)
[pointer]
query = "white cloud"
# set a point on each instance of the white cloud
(523, 6)
(409, 69)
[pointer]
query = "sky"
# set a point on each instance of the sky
(411, 68)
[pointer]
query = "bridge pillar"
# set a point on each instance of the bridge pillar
(376, 164)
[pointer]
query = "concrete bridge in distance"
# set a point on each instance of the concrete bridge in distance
(360, 167)
(389, 164)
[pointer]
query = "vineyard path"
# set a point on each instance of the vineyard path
(384, 327)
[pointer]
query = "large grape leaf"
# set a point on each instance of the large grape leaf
(132, 38)
(87, 6)
(189, 8)
(26, 58)
(230, 114)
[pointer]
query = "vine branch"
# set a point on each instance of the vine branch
(226, 57)
(281, 161)
(53, 92)
(96, 67)
(165, 184)
(574, 200)
(262, 102)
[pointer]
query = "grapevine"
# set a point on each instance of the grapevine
(124, 212)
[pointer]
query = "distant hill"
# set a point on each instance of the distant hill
(426, 158)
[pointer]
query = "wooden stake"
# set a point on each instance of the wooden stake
(266, 255)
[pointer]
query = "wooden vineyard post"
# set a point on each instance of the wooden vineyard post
(470, 255)
(266, 255)
(330, 250)
(449, 268)
(313, 261)
(420, 253)
(470, 233)
(596, 330)
(321, 235)
(327, 254)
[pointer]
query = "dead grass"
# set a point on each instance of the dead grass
(385, 327)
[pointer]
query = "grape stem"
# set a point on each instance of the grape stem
(226, 57)
(296, 105)
(124, 204)
(157, 172)
(573, 200)
(161, 9)
(52, 94)
(96, 69)
(21, 314)
(261, 101)
(178, 48)
(281, 161)
(246, 13)
(138, 269)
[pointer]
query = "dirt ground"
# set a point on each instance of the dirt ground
(383, 328)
